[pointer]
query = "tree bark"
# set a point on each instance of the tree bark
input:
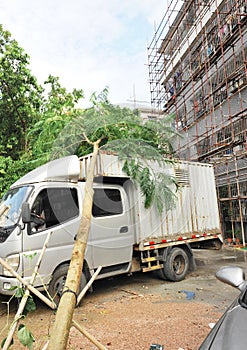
(63, 320)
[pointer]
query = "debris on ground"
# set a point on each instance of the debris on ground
(156, 347)
(189, 295)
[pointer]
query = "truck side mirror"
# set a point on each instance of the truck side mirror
(26, 213)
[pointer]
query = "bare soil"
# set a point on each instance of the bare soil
(133, 312)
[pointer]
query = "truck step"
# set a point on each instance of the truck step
(151, 258)
(152, 268)
(151, 263)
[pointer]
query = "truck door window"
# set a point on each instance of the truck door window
(107, 202)
(55, 206)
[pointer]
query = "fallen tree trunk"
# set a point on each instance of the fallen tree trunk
(63, 321)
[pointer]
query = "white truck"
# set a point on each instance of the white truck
(124, 236)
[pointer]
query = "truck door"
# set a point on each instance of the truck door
(111, 236)
(58, 205)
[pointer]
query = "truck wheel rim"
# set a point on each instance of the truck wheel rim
(178, 265)
(60, 285)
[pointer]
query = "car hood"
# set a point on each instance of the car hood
(229, 332)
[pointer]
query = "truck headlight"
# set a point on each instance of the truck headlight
(14, 262)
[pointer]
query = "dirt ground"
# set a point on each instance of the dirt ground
(133, 312)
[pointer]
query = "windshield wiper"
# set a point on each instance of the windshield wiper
(5, 232)
(6, 229)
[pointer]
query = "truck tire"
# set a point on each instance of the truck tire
(176, 265)
(58, 282)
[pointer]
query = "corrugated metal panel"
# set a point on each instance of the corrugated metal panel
(107, 165)
(196, 208)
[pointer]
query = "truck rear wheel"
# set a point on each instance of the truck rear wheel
(176, 265)
(58, 282)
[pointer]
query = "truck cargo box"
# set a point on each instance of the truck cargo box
(195, 214)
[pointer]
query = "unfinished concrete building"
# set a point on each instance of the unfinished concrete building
(198, 72)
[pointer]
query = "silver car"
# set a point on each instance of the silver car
(229, 332)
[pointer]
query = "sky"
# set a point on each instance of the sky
(88, 44)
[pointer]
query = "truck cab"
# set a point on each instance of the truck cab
(32, 208)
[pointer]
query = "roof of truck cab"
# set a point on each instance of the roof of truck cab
(62, 169)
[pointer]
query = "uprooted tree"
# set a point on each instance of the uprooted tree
(134, 141)
(30, 124)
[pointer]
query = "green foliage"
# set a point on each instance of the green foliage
(37, 127)
(25, 336)
(20, 97)
(19, 292)
(11, 170)
(156, 185)
(123, 132)
(165, 191)
(30, 256)
(30, 304)
(142, 176)
(102, 121)
(57, 111)
(3, 342)
(31, 118)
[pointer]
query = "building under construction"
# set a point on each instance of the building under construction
(198, 72)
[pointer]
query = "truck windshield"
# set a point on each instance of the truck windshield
(10, 206)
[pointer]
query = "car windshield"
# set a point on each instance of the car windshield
(10, 206)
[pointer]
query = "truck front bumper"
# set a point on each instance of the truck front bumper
(7, 285)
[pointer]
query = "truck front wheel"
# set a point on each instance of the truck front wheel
(58, 282)
(176, 265)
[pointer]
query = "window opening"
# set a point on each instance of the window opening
(55, 206)
(107, 202)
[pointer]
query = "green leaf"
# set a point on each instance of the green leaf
(30, 256)
(30, 305)
(25, 336)
(4, 340)
(13, 288)
(19, 292)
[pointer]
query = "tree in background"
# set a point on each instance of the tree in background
(58, 109)
(20, 103)
(31, 117)
(20, 97)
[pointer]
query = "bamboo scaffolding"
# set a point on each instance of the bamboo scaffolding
(42, 297)
(53, 306)
(198, 73)
(88, 335)
(25, 296)
(88, 285)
